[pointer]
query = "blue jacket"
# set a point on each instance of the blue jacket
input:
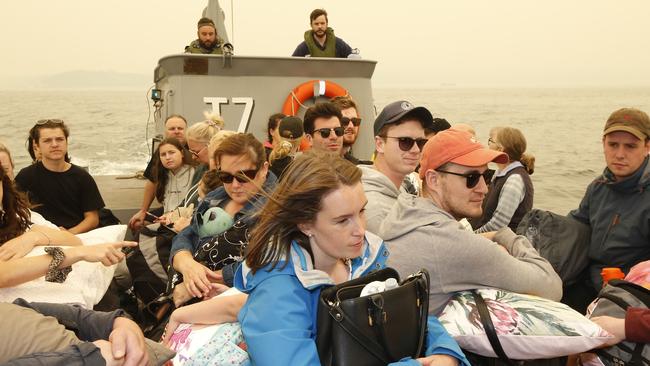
(188, 239)
(619, 216)
(279, 317)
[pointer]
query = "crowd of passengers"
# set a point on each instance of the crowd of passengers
(282, 219)
(425, 199)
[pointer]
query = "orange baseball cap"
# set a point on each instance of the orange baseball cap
(459, 147)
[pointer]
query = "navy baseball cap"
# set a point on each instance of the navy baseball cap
(396, 111)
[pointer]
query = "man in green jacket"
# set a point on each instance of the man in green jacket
(208, 42)
(320, 41)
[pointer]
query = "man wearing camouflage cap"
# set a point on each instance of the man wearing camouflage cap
(617, 204)
(208, 42)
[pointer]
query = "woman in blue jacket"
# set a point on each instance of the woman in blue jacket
(311, 234)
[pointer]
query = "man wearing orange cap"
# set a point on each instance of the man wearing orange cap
(423, 232)
(617, 204)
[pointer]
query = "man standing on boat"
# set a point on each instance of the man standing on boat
(208, 42)
(64, 193)
(617, 204)
(320, 41)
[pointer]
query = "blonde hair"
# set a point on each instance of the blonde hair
(283, 146)
(215, 141)
(513, 143)
(203, 131)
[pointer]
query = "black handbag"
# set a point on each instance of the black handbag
(376, 329)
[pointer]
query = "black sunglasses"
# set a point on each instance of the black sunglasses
(325, 132)
(355, 121)
(243, 176)
(473, 177)
(406, 143)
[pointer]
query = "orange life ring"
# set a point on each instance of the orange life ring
(308, 90)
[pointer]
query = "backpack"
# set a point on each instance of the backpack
(562, 240)
(613, 300)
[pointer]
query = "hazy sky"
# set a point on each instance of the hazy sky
(417, 43)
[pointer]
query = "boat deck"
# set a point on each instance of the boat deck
(122, 196)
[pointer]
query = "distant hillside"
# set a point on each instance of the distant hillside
(96, 79)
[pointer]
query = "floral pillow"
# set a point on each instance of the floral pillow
(529, 327)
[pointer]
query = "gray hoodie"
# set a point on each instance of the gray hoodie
(381, 193)
(421, 235)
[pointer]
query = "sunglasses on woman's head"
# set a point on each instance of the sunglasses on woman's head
(406, 143)
(472, 177)
(244, 176)
(325, 132)
(355, 121)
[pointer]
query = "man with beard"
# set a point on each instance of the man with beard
(351, 122)
(208, 42)
(423, 232)
(320, 41)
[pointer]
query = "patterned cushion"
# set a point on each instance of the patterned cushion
(529, 327)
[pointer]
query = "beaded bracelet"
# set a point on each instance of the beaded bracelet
(54, 273)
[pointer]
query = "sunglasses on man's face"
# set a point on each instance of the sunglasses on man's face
(325, 132)
(406, 143)
(472, 177)
(355, 121)
(244, 176)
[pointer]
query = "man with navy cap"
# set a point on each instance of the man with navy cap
(399, 138)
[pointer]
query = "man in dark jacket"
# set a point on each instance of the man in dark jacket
(617, 204)
(320, 41)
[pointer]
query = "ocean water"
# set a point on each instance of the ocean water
(111, 130)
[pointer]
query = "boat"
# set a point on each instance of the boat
(245, 91)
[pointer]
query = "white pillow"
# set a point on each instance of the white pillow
(85, 285)
(529, 327)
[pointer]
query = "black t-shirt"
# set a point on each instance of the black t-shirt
(61, 197)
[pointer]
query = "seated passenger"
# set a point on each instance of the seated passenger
(311, 234)
(271, 125)
(510, 195)
(6, 162)
(243, 170)
(635, 327)
(57, 334)
(399, 138)
(208, 41)
(617, 204)
(175, 173)
(18, 236)
(424, 232)
(320, 40)
(64, 193)
(288, 137)
(175, 126)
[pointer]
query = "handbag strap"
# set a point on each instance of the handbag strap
(488, 326)
(349, 327)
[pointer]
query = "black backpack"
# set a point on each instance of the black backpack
(613, 300)
(562, 240)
